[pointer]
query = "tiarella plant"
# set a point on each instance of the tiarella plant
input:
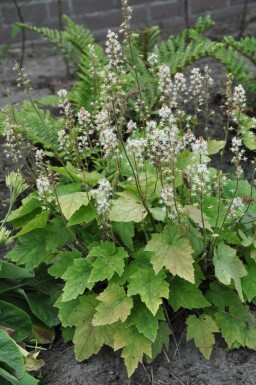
(27, 316)
(128, 215)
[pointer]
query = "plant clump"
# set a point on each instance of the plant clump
(127, 215)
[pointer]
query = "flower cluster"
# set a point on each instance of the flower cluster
(102, 196)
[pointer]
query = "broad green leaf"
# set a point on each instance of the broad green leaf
(92, 178)
(70, 203)
(162, 340)
(134, 345)
(171, 251)
(228, 266)
(11, 271)
(77, 279)
(27, 379)
(10, 379)
(88, 339)
(158, 213)
(39, 222)
(114, 306)
(29, 204)
(10, 354)
(64, 260)
(214, 146)
(109, 260)
(202, 330)
(127, 208)
(65, 310)
(125, 232)
(151, 288)
(85, 214)
(233, 328)
(65, 189)
(57, 234)
(15, 318)
(184, 294)
(246, 240)
(196, 216)
(30, 249)
(222, 296)
(67, 333)
(145, 322)
(249, 282)
(247, 126)
(42, 307)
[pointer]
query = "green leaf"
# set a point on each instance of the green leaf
(134, 345)
(184, 294)
(30, 249)
(65, 310)
(202, 330)
(27, 379)
(85, 214)
(10, 379)
(88, 339)
(12, 271)
(172, 252)
(29, 204)
(11, 355)
(57, 234)
(64, 260)
(158, 213)
(214, 146)
(13, 317)
(249, 282)
(77, 279)
(127, 208)
(228, 266)
(125, 232)
(195, 214)
(39, 222)
(114, 306)
(151, 288)
(233, 326)
(145, 322)
(70, 203)
(109, 260)
(162, 340)
(222, 296)
(42, 307)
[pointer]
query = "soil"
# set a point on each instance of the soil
(179, 366)
(182, 364)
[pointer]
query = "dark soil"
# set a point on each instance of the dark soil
(179, 366)
(182, 364)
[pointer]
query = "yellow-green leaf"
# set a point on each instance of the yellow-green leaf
(202, 330)
(70, 203)
(114, 306)
(174, 253)
(228, 266)
(151, 288)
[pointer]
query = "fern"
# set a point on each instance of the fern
(71, 42)
(35, 130)
(145, 41)
(246, 47)
(234, 63)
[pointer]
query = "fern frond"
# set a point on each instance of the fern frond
(145, 41)
(71, 42)
(234, 63)
(246, 46)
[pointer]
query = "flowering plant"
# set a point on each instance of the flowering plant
(132, 220)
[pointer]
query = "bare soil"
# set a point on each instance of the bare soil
(182, 364)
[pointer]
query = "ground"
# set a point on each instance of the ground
(183, 364)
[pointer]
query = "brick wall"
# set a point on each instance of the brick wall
(99, 15)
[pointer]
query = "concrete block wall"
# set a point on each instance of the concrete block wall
(100, 15)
